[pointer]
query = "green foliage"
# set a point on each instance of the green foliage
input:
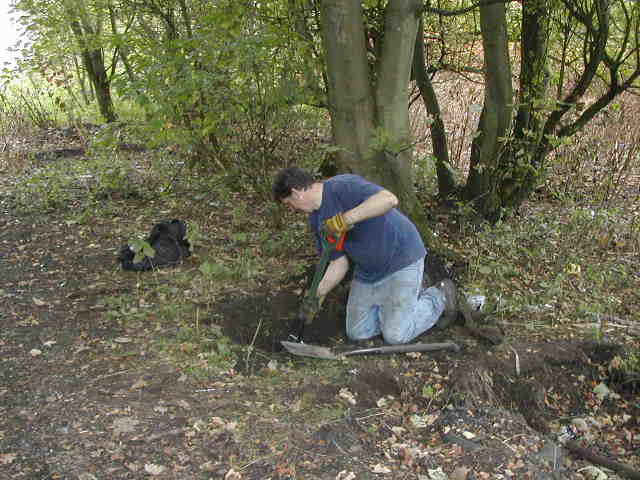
(112, 179)
(209, 347)
(112, 173)
(598, 334)
(194, 235)
(631, 363)
(217, 271)
(272, 244)
(428, 391)
(382, 141)
(48, 188)
(65, 184)
(226, 84)
(22, 107)
(425, 170)
(550, 268)
(107, 172)
(201, 349)
(226, 99)
(142, 249)
(223, 85)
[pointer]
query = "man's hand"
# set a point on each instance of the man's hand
(310, 307)
(337, 225)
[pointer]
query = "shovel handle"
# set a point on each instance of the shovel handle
(412, 347)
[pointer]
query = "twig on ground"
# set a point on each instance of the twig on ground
(517, 361)
(251, 347)
(168, 433)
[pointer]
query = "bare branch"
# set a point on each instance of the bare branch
(461, 11)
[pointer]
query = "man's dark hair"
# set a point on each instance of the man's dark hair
(288, 179)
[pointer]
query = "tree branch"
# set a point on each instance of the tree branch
(617, 467)
(594, 53)
(461, 11)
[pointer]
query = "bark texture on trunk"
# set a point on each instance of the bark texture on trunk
(93, 61)
(369, 104)
(495, 119)
(446, 178)
(523, 161)
(351, 100)
(395, 162)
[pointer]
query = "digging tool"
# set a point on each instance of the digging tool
(493, 336)
(329, 244)
(326, 353)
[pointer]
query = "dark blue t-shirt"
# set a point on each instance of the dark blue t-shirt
(377, 246)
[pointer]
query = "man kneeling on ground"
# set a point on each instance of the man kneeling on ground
(386, 295)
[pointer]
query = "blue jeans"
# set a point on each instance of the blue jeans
(395, 306)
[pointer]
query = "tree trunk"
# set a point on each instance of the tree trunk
(533, 71)
(80, 73)
(495, 119)
(519, 173)
(103, 94)
(446, 179)
(122, 48)
(351, 100)
(370, 122)
(523, 161)
(394, 161)
(93, 60)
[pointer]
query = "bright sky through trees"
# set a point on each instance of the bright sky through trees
(8, 33)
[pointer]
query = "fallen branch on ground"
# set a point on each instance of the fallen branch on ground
(587, 454)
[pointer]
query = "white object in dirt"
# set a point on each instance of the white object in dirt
(476, 302)
(593, 473)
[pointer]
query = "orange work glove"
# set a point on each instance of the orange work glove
(337, 225)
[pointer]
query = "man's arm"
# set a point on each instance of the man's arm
(336, 271)
(374, 206)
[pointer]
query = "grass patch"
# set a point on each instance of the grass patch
(553, 264)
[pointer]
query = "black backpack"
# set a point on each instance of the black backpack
(167, 239)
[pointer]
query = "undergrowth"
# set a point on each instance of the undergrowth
(570, 255)
(556, 265)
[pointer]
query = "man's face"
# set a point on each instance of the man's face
(299, 200)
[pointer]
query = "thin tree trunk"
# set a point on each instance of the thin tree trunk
(392, 96)
(533, 140)
(93, 61)
(533, 70)
(314, 75)
(86, 95)
(122, 49)
(446, 179)
(495, 118)
(186, 18)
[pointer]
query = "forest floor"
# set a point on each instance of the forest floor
(106, 374)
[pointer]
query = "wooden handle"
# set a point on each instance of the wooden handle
(412, 347)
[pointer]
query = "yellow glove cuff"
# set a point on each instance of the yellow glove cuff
(337, 224)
